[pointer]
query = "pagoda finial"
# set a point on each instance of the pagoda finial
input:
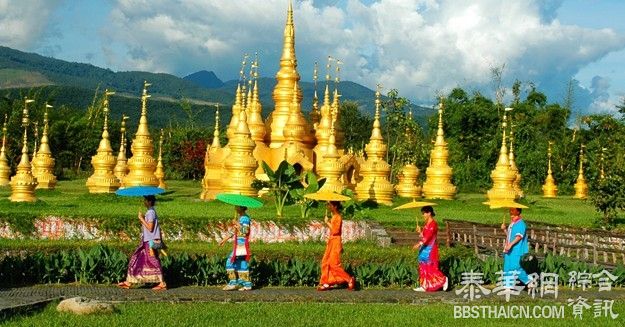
(376, 133)
(5, 169)
(216, 143)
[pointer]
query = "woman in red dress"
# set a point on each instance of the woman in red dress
(430, 278)
(331, 271)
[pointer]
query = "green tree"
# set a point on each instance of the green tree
(356, 125)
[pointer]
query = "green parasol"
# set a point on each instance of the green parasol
(239, 200)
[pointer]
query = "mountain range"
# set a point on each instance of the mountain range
(22, 71)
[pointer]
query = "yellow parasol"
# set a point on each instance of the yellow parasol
(497, 204)
(415, 204)
(327, 196)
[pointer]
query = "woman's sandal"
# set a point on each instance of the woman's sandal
(124, 285)
(160, 287)
(324, 287)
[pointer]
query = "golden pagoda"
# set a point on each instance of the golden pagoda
(375, 184)
(581, 188)
(160, 172)
(407, 182)
(503, 177)
(331, 167)
(240, 165)
(516, 184)
(23, 184)
(103, 179)
(43, 168)
(314, 113)
(213, 165)
(550, 189)
(438, 175)
(5, 169)
(121, 167)
(255, 121)
(141, 165)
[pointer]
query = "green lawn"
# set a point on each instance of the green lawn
(297, 314)
(181, 202)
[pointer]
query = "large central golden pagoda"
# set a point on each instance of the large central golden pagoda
(438, 175)
(286, 134)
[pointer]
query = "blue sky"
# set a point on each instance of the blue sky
(421, 47)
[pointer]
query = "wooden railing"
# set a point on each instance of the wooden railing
(596, 247)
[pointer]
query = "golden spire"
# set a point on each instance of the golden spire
(121, 167)
(295, 129)
(503, 176)
(142, 165)
(5, 169)
(240, 165)
(213, 162)
(33, 167)
(375, 171)
(550, 189)
(103, 179)
(581, 188)
(160, 172)
(283, 91)
(255, 119)
(516, 184)
(23, 183)
(236, 108)
(438, 175)
(331, 167)
(43, 168)
(314, 114)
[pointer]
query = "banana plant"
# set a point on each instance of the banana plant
(312, 185)
(280, 183)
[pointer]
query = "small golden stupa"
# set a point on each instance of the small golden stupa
(141, 165)
(503, 177)
(581, 188)
(438, 175)
(240, 165)
(5, 169)
(550, 189)
(516, 184)
(407, 186)
(43, 168)
(23, 184)
(103, 179)
(213, 164)
(331, 167)
(375, 171)
(160, 172)
(121, 167)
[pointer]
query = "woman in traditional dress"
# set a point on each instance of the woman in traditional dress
(430, 278)
(331, 271)
(237, 264)
(515, 247)
(144, 265)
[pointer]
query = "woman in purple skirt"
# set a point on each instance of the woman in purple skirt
(144, 265)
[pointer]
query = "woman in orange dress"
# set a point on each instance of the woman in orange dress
(331, 271)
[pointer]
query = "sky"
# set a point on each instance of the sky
(423, 48)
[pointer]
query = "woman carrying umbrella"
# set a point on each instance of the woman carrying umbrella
(144, 265)
(331, 271)
(431, 279)
(237, 264)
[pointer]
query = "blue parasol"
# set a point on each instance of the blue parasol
(139, 191)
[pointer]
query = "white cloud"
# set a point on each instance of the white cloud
(417, 46)
(24, 22)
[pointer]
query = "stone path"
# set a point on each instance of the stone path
(16, 298)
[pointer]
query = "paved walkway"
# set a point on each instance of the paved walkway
(16, 298)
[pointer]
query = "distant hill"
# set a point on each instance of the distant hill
(205, 79)
(22, 71)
